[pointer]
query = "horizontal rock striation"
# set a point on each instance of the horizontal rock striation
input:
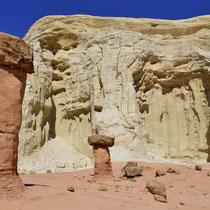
(145, 82)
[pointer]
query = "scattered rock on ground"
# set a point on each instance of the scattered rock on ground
(91, 181)
(208, 173)
(131, 164)
(131, 170)
(171, 171)
(102, 188)
(160, 198)
(160, 173)
(198, 168)
(157, 188)
(71, 189)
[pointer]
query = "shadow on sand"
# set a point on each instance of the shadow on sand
(32, 185)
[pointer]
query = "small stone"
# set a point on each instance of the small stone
(71, 189)
(208, 173)
(181, 203)
(160, 198)
(91, 181)
(61, 165)
(102, 188)
(160, 173)
(171, 171)
(131, 164)
(198, 168)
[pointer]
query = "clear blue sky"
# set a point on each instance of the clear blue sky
(17, 16)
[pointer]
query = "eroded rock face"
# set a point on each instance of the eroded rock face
(15, 62)
(146, 80)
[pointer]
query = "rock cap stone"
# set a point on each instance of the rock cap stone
(15, 52)
(101, 140)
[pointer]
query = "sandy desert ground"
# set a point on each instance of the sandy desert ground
(190, 189)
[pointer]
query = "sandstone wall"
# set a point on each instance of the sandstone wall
(148, 82)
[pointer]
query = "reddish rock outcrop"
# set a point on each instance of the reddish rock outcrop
(102, 160)
(15, 62)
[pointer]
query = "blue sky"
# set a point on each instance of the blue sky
(17, 16)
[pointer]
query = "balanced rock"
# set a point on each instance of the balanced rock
(102, 140)
(16, 60)
(102, 159)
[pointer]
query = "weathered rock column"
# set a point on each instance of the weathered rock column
(102, 160)
(16, 60)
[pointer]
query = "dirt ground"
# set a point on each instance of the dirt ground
(190, 189)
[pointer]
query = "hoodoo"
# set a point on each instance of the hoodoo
(15, 62)
(102, 160)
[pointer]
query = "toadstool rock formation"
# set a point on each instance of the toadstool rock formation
(102, 160)
(15, 63)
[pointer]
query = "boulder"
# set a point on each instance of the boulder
(157, 189)
(132, 172)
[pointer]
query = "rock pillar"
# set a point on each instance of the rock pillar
(15, 62)
(102, 160)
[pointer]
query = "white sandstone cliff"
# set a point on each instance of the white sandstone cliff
(147, 80)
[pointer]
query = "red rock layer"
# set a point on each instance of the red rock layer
(102, 162)
(15, 62)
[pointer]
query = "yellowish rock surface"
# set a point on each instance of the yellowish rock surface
(145, 82)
